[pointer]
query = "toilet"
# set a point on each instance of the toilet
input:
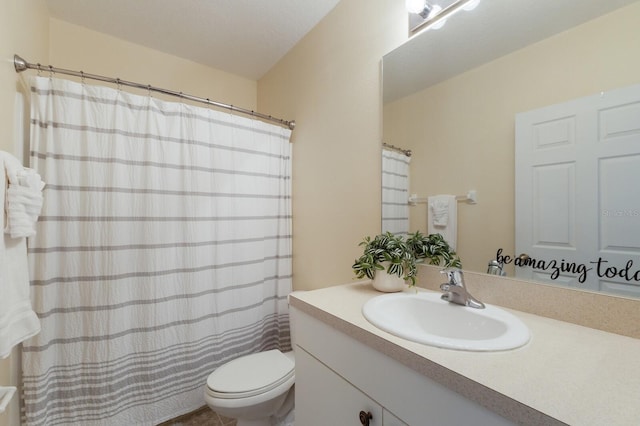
(254, 389)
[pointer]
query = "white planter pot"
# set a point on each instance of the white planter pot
(388, 283)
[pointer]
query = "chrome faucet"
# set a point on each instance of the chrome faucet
(455, 290)
(496, 268)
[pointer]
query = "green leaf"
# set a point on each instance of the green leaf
(403, 254)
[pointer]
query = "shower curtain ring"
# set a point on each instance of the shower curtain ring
(82, 80)
(118, 87)
(149, 90)
(39, 69)
(50, 71)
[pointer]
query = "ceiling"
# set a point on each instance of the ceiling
(242, 37)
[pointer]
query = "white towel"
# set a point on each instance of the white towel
(443, 218)
(18, 322)
(23, 201)
(440, 211)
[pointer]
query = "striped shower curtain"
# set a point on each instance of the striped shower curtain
(395, 192)
(163, 250)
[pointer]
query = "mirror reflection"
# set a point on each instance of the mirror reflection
(452, 96)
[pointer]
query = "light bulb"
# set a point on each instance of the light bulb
(471, 5)
(415, 6)
(437, 9)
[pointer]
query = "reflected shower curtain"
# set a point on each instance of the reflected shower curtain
(395, 192)
(163, 250)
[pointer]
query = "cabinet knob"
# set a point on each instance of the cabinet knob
(365, 417)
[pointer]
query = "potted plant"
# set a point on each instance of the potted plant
(397, 257)
(433, 248)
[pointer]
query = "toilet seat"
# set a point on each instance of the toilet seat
(251, 375)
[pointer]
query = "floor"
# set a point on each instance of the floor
(201, 417)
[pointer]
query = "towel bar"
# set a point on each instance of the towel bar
(470, 198)
(6, 393)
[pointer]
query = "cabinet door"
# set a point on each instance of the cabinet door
(389, 419)
(324, 398)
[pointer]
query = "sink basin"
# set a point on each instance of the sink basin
(425, 318)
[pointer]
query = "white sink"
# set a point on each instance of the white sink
(425, 318)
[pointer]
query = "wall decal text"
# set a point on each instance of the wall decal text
(601, 267)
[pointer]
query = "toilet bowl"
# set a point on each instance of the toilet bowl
(254, 389)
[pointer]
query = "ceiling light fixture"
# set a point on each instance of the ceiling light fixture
(439, 23)
(471, 5)
(419, 7)
(423, 15)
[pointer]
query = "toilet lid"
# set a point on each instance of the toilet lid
(251, 373)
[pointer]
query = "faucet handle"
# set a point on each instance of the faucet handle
(454, 276)
(456, 291)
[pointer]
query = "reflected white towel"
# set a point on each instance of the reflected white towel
(440, 211)
(23, 198)
(18, 322)
(443, 218)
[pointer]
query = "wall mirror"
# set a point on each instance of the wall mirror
(452, 95)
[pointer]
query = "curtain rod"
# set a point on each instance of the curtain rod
(21, 64)
(406, 152)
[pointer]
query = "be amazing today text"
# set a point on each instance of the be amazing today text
(579, 269)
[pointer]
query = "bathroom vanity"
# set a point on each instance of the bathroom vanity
(350, 372)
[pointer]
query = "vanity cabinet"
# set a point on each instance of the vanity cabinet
(325, 398)
(330, 400)
(337, 377)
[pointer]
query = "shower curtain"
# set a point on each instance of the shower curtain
(395, 192)
(163, 250)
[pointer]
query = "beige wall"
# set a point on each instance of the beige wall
(77, 48)
(330, 84)
(462, 131)
(23, 30)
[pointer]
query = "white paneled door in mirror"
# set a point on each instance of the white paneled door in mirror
(578, 198)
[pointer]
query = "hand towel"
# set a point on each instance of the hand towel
(23, 197)
(18, 322)
(443, 218)
(440, 211)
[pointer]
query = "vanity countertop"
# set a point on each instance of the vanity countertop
(568, 373)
